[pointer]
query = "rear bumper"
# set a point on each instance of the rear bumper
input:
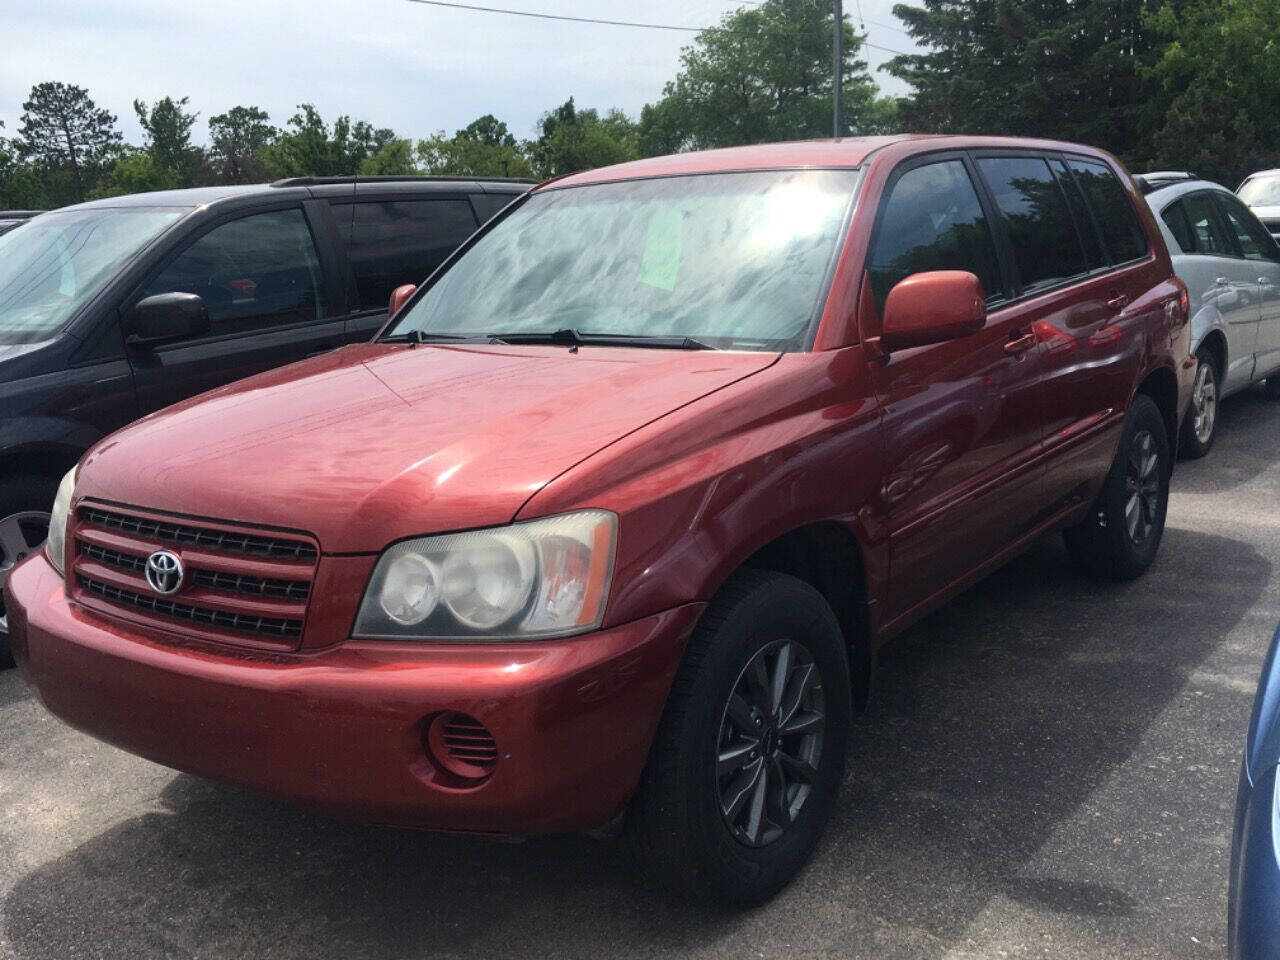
(1253, 903)
(342, 730)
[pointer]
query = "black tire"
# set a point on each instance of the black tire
(1105, 544)
(1199, 428)
(1271, 386)
(20, 496)
(680, 831)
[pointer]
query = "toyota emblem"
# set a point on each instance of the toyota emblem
(164, 572)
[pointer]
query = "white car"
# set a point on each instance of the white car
(1231, 264)
(1261, 194)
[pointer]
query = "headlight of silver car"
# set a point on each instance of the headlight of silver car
(541, 578)
(55, 547)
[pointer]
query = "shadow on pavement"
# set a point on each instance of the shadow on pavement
(994, 720)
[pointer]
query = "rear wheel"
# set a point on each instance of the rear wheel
(750, 752)
(1120, 537)
(25, 503)
(1200, 426)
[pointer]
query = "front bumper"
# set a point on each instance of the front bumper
(342, 730)
(1253, 903)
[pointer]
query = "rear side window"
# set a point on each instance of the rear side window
(401, 241)
(1094, 255)
(1207, 231)
(1175, 218)
(1255, 242)
(257, 272)
(932, 220)
(1121, 229)
(1046, 246)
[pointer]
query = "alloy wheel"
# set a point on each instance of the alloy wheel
(1204, 403)
(21, 534)
(1142, 484)
(770, 743)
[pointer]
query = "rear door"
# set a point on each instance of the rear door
(393, 241)
(1259, 249)
(262, 280)
(961, 422)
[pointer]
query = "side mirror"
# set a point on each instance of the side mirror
(933, 307)
(165, 317)
(399, 297)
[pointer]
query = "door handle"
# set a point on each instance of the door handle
(1020, 344)
(1264, 282)
(1222, 281)
(1118, 302)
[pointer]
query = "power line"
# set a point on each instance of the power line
(476, 8)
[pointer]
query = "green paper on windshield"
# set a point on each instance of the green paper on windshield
(662, 247)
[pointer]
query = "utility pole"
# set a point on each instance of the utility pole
(837, 66)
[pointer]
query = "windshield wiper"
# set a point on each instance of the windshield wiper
(419, 336)
(572, 337)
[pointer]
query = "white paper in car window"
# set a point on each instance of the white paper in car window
(663, 244)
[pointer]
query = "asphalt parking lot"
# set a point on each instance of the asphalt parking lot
(1048, 769)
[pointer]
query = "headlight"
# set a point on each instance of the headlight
(543, 578)
(55, 547)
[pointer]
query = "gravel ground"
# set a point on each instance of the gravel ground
(1048, 769)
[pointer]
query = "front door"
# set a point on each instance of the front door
(261, 279)
(1259, 249)
(960, 419)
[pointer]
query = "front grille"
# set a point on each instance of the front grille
(218, 540)
(239, 586)
(270, 626)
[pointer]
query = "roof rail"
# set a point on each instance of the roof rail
(1149, 182)
(406, 178)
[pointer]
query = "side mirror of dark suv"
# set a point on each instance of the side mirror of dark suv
(165, 317)
(933, 307)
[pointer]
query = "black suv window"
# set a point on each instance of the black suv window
(257, 272)
(487, 204)
(932, 220)
(1255, 241)
(1121, 229)
(1206, 227)
(1175, 218)
(400, 241)
(1046, 246)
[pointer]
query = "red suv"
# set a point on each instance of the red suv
(614, 515)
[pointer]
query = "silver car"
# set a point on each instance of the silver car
(1231, 264)
(1261, 194)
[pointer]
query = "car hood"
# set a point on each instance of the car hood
(377, 442)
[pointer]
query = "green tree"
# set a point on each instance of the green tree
(394, 159)
(68, 137)
(1216, 71)
(308, 147)
(167, 128)
(236, 138)
(136, 171)
(570, 139)
(20, 187)
(1067, 69)
(483, 148)
(764, 73)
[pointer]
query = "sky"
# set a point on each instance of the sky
(395, 63)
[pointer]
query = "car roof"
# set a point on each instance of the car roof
(305, 188)
(1163, 195)
(1264, 173)
(848, 152)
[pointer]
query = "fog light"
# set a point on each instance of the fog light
(462, 745)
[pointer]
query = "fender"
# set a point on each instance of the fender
(55, 441)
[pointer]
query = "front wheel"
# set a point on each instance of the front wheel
(1120, 537)
(25, 503)
(750, 752)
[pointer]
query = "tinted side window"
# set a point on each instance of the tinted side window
(401, 241)
(1255, 242)
(257, 272)
(1206, 228)
(932, 220)
(1175, 218)
(1121, 229)
(487, 204)
(1046, 246)
(1094, 255)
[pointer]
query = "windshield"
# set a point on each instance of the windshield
(1262, 192)
(734, 260)
(51, 265)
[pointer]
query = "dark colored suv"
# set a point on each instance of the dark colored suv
(115, 308)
